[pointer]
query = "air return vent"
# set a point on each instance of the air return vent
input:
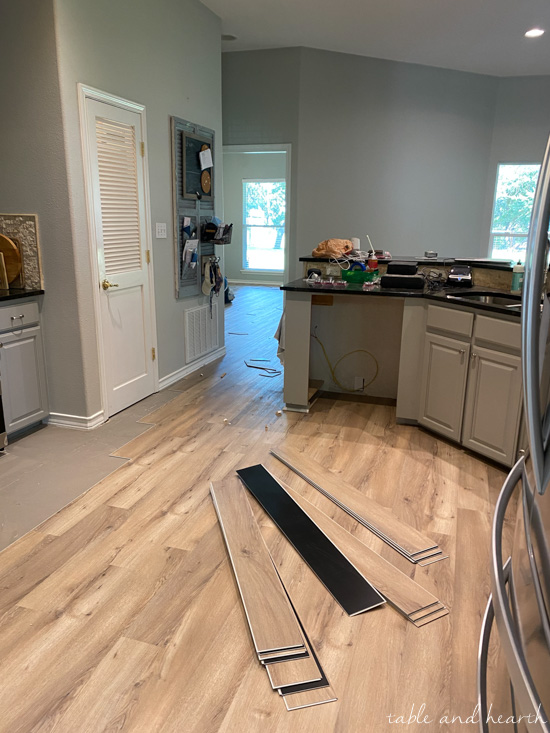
(201, 331)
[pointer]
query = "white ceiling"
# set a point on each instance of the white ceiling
(483, 36)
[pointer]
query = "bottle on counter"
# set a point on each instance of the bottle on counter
(517, 278)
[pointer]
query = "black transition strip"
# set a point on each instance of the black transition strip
(340, 578)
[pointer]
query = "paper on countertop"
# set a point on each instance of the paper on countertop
(205, 157)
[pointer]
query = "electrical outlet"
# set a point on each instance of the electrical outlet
(161, 231)
(359, 383)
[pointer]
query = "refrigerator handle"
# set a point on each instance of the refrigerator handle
(483, 656)
(535, 269)
(525, 692)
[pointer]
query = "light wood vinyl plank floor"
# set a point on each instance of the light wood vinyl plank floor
(121, 611)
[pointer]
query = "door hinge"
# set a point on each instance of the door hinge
(153, 353)
(142, 145)
(148, 256)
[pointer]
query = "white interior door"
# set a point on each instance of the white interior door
(117, 188)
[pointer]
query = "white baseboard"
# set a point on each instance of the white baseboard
(188, 368)
(77, 422)
(255, 282)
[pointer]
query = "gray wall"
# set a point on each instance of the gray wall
(395, 150)
(165, 55)
(261, 105)
(521, 130)
(402, 152)
(236, 167)
(33, 180)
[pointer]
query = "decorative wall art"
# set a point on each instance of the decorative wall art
(193, 201)
(22, 230)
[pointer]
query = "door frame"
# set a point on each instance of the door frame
(270, 148)
(86, 92)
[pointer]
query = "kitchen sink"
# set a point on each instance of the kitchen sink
(498, 299)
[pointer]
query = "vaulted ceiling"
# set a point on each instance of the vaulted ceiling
(482, 36)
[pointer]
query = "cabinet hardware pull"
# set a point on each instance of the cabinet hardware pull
(462, 351)
(16, 318)
(474, 355)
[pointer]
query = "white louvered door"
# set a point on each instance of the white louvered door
(116, 167)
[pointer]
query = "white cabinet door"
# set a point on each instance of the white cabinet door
(23, 378)
(443, 384)
(493, 404)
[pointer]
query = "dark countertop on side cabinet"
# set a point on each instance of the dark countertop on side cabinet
(506, 266)
(300, 286)
(16, 293)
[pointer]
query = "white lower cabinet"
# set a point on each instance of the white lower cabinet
(22, 372)
(443, 384)
(471, 388)
(493, 404)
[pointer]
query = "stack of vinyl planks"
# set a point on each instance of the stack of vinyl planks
(279, 639)
(406, 540)
(358, 578)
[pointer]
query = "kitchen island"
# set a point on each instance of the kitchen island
(409, 347)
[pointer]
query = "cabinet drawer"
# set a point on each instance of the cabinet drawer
(14, 317)
(498, 332)
(450, 320)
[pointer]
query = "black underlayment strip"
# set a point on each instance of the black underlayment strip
(342, 580)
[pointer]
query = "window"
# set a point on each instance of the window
(514, 193)
(264, 210)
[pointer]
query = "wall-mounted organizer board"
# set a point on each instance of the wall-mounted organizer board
(193, 198)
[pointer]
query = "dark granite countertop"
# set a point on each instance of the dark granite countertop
(446, 295)
(432, 262)
(16, 293)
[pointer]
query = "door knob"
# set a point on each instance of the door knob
(106, 285)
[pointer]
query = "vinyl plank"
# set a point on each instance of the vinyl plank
(18, 625)
(53, 552)
(285, 655)
(309, 698)
(354, 593)
(100, 704)
(432, 616)
(288, 673)
(42, 672)
(85, 504)
(272, 621)
(186, 574)
(399, 589)
(294, 672)
(350, 499)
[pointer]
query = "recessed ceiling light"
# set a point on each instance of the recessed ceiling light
(534, 33)
(229, 37)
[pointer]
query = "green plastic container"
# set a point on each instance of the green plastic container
(359, 276)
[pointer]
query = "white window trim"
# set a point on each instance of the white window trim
(265, 226)
(493, 234)
(273, 148)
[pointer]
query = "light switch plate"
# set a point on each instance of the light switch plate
(161, 230)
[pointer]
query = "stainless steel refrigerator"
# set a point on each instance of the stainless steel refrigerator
(514, 662)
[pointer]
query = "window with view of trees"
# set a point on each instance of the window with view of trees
(264, 210)
(514, 194)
